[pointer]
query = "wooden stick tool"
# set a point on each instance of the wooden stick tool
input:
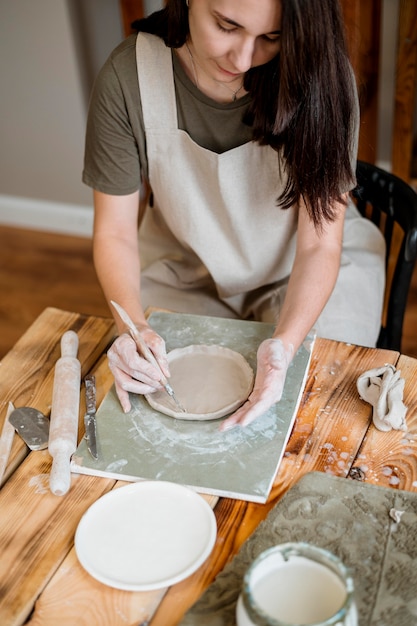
(63, 429)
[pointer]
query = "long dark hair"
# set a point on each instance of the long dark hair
(302, 102)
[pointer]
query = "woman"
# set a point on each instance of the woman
(242, 117)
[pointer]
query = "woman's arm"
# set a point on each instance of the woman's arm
(311, 283)
(313, 277)
(117, 263)
(116, 252)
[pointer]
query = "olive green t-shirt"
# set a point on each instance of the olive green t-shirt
(115, 150)
(115, 158)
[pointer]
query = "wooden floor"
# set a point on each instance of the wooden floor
(40, 269)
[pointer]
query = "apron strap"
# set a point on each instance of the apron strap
(154, 62)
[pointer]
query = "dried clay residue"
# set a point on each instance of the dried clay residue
(40, 483)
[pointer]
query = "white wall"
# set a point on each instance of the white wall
(97, 29)
(43, 108)
(50, 51)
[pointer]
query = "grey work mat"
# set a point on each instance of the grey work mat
(240, 463)
(352, 520)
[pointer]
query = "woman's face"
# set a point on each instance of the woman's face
(229, 37)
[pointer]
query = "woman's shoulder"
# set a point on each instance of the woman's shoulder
(118, 75)
(123, 55)
(122, 60)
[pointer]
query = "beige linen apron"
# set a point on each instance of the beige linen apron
(214, 241)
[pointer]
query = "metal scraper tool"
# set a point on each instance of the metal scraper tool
(32, 426)
(146, 352)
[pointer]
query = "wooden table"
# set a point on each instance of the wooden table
(41, 580)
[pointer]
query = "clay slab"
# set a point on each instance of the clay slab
(209, 382)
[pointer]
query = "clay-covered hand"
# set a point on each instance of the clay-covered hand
(273, 359)
(131, 371)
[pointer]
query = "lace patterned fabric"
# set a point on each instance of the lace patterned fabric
(371, 529)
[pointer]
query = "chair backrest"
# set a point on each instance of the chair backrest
(391, 204)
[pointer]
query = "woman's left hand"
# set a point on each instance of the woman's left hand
(273, 359)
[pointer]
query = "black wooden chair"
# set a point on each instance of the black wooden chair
(392, 205)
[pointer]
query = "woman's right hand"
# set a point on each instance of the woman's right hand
(132, 373)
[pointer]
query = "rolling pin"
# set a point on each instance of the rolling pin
(63, 429)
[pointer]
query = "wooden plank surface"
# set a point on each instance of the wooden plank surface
(42, 541)
(91, 602)
(32, 384)
(39, 566)
(389, 458)
(88, 601)
(327, 435)
(37, 531)
(36, 527)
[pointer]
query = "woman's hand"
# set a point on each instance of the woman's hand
(132, 373)
(273, 359)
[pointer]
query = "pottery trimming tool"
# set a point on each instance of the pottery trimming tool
(145, 351)
(32, 425)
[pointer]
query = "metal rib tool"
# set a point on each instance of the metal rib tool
(145, 351)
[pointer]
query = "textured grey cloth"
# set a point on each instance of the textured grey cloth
(354, 520)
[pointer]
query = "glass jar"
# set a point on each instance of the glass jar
(297, 584)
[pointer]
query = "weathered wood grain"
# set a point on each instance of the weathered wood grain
(27, 371)
(39, 571)
(389, 458)
(37, 531)
(327, 435)
(88, 602)
(37, 528)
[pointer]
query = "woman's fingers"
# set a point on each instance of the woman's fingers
(157, 345)
(123, 355)
(125, 384)
(132, 373)
(273, 360)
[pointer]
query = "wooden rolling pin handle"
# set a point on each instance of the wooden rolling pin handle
(69, 344)
(60, 476)
(64, 414)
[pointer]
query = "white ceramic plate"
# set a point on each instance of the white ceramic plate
(147, 535)
(209, 381)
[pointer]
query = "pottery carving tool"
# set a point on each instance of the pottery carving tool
(146, 352)
(6, 441)
(64, 413)
(90, 416)
(32, 425)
